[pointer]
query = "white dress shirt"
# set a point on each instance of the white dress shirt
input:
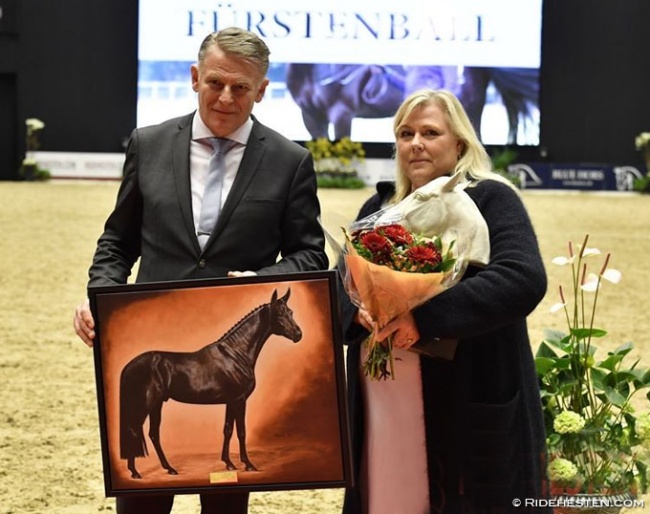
(200, 153)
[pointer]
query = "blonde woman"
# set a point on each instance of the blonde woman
(466, 434)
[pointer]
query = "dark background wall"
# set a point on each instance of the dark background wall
(74, 67)
(73, 64)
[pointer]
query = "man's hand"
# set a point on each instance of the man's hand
(84, 324)
(242, 274)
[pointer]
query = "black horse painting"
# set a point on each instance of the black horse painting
(337, 93)
(222, 372)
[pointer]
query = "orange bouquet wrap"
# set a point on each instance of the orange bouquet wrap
(386, 293)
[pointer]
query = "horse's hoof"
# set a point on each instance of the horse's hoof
(172, 471)
(231, 467)
(249, 466)
(135, 474)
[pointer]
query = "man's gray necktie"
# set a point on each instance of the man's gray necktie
(211, 204)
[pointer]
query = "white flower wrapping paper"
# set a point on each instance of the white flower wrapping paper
(443, 208)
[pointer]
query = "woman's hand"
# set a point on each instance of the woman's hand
(364, 319)
(403, 329)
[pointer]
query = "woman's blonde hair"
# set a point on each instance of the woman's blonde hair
(474, 162)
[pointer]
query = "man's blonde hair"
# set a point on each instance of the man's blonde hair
(241, 43)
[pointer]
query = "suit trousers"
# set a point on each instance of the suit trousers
(217, 503)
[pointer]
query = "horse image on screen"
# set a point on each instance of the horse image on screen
(336, 94)
(222, 372)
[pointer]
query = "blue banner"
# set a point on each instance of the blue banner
(583, 177)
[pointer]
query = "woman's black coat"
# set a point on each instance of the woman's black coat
(483, 417)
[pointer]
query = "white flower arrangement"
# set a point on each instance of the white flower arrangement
(29, 167)
(642, 140)
(642, 143)
(562, 471)
(596, 439)
(34, 124)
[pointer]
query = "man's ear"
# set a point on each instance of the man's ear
(262, 90)
(194, 71)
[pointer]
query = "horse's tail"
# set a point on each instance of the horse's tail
(518, 87)
(132, 412)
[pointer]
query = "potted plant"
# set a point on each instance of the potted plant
(29, 168)
(501, 161)
(642, 143)
(337, 162)
(595, 436)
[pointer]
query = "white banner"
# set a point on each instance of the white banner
(498, 33)
(329, 58)
(81, 165)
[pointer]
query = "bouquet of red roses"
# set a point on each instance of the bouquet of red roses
(404, 255)
(389, 271)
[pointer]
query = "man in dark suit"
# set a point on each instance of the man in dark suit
(269, 207)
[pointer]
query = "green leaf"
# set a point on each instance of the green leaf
(624, 389)
(545, 350)
(553, 336)
(624, 349)
(611, 362)
(567, 385)
(544, 365)
(602, 397)
(598, 378)
(446, 265)
(636, 376)
(586, 333)
(645, 381)
(553, 439)
(563, 363)
(643, 475)
(587, 349)
(615, 397)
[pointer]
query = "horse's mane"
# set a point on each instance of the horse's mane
(240, 322)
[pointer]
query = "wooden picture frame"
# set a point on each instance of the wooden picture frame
(177, 352)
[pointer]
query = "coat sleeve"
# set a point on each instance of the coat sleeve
(303, 243)
(507, 289)
(118, 247)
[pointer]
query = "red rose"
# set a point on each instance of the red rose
(377, 244)
(427, 254)
(397, 234)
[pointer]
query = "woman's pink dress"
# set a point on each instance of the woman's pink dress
(394, 479)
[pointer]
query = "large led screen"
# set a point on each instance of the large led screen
(342, 67)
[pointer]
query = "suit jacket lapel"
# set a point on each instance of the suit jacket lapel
(181, 166)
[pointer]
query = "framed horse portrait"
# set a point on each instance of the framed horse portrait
(223, 384)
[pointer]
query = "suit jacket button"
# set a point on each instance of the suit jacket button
(202, 263)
